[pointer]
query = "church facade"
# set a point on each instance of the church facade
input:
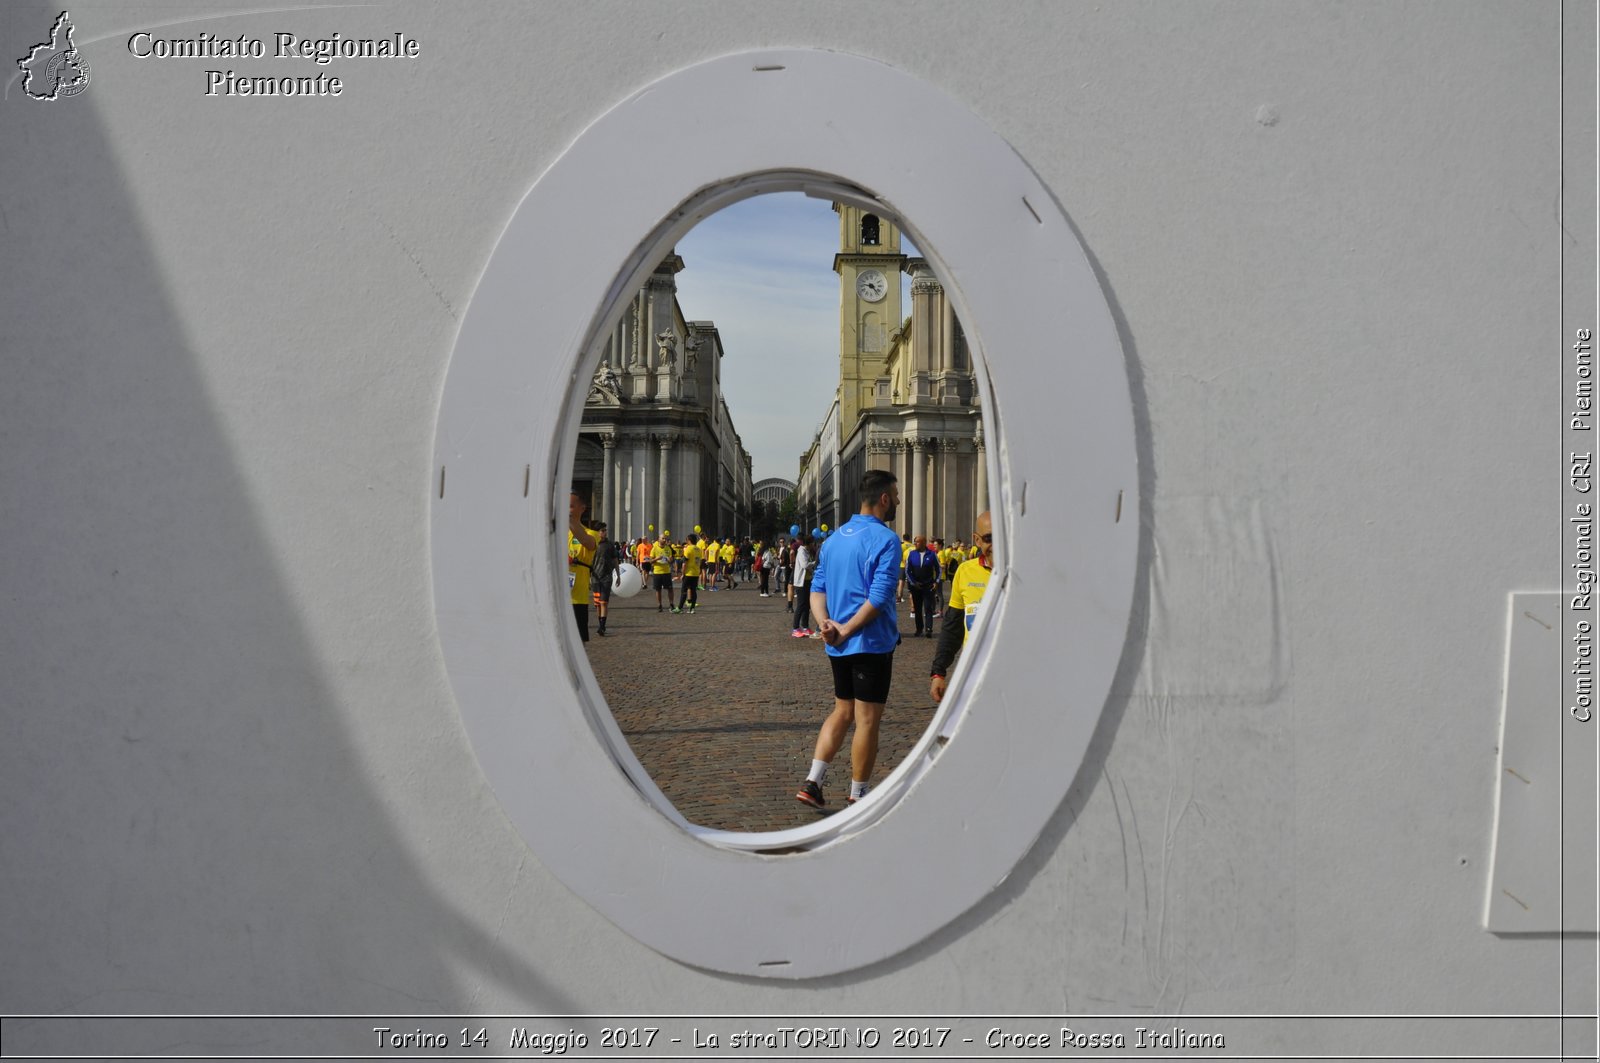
(907, 399)
(657, 446)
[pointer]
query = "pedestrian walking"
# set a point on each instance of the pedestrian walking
(580, 553)
(922, 578)
(804, 565)
(966, 591)
(856, 580)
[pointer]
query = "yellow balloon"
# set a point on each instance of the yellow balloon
(697, 529)
(652, 527)
(824, 527)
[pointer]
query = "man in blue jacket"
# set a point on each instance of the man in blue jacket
(856, 578)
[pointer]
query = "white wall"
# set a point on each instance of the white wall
(233, 775)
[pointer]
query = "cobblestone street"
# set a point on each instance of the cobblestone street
(722, 706)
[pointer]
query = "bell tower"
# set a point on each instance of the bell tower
(869, 264)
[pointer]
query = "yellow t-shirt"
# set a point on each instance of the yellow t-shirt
(660, 559)
(966, 590)
(726, 553)
(579, 558)
(905, 551)
(710, 551)
(691, 560)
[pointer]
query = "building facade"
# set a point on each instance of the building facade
(774, 490)
(657, 449)
(908, 398)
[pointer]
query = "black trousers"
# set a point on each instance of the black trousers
(922, 599)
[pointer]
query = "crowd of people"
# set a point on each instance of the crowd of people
(841, 588)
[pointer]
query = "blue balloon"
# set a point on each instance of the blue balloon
(816, 533)
(794, 529)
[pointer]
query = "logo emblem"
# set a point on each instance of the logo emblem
(55, 68)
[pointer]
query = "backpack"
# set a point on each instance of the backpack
(605, 561)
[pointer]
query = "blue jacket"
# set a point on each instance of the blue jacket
(861, 562)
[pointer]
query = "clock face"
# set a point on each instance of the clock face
(872, 286)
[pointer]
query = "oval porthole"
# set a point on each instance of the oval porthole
(1061, 483)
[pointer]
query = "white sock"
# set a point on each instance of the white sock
(819, 768)
(858, 789)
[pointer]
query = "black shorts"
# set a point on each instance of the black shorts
(663, 581)
(581, 613)
(862, 676)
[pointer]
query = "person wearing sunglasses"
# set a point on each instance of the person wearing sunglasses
(966, 591)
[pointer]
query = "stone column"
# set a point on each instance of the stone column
(602, 504)
(641, 483)
(980, 501)
(947, 334)
(902, 472)
(949, 476)
(661, 484)
(918, 486)
(929, 458)
(618, 489)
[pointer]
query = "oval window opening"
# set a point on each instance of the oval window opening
(1064, 503)
(789, 336)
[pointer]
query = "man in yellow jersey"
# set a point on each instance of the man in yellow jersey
(725, 555)
(661, 568)
(691, 575)
(580, 554)
(966, 591)
(905, 551)
(947, 572)
(711, 553)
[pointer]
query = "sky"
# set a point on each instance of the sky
(762, 271)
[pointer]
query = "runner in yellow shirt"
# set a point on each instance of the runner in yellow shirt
(905, 552)
(691, 576)
(580, 554)
(708, 563)
(725, 555)
(661, 568)
(966, 592)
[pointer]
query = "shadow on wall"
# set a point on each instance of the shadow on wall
(186, 823)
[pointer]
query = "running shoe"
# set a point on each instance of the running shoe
(675, 609)
(811, 794)
(814, 635)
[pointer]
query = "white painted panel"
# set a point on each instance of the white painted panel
(1537, 792)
